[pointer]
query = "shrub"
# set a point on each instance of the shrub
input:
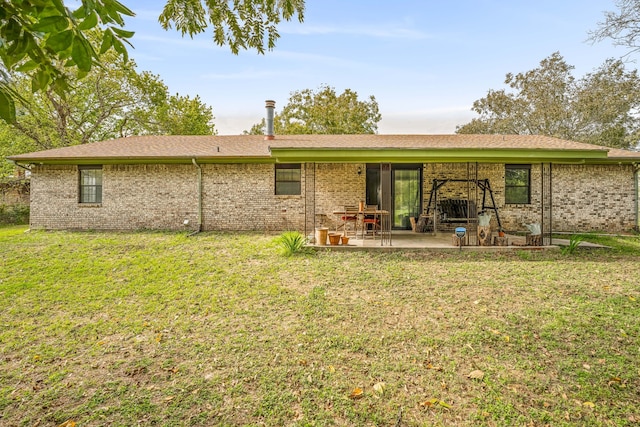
(14, 214)
(291, 242)
(574, 242)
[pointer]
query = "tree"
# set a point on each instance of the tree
(37, 37)
(324, 112)
(11, 142)
(182, 115)
(598, 108)
(623, 26)
(112, 101)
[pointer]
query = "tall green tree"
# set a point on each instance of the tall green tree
(113, 100)
(182, 115)
(11, 142)
(599, 108)
(324, 112)
(37, 37)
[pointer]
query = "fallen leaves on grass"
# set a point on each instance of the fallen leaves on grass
(379, 387)
(356, 393)
(476, 375)
(429, 365)
(616, 382)
(433, 402)
(68, 423)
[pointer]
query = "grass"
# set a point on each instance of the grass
(221, 329)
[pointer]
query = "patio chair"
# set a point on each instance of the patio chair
(348, 216)
(370, 220)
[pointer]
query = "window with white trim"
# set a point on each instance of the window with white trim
(90, 184)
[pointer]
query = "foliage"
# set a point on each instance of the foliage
(11, 142)
(38, 37)
(182, 115)
(240, 24)
(324, 112)
(574, 242)
(598, 108)
(291, 243)
(150, 328)
(14, 214)
(111, 101)
(622, 26)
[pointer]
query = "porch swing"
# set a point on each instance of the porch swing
(456, 211)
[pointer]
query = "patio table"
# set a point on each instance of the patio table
(384, 223)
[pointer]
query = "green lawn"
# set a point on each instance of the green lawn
(126, 329)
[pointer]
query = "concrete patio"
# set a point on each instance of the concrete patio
(441, 241)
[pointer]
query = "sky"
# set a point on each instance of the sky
(424, 61)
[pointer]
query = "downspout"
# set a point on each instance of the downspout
(636, 184)
(199, 229)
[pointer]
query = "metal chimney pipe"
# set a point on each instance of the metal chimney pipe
(270, 105)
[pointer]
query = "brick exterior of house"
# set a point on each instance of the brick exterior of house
(242, 196)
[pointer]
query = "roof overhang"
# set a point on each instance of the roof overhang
(395, 155)
(356, 155)
(138, 160)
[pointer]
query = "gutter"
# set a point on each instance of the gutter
(193, 160)
(19, 165)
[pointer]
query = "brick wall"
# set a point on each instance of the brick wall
(133, 197)
(337, 185)
(242, 196)
(594, 197)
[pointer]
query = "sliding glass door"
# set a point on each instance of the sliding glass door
(406, 192)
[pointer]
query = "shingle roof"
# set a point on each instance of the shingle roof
(158, 148)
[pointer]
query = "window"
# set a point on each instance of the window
(373, 184)
(517, 184)
(287, 179)
(90, 190)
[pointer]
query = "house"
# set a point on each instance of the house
(251, 182)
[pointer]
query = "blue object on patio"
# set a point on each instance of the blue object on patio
(460, 233)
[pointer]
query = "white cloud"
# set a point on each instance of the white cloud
(390, 32)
